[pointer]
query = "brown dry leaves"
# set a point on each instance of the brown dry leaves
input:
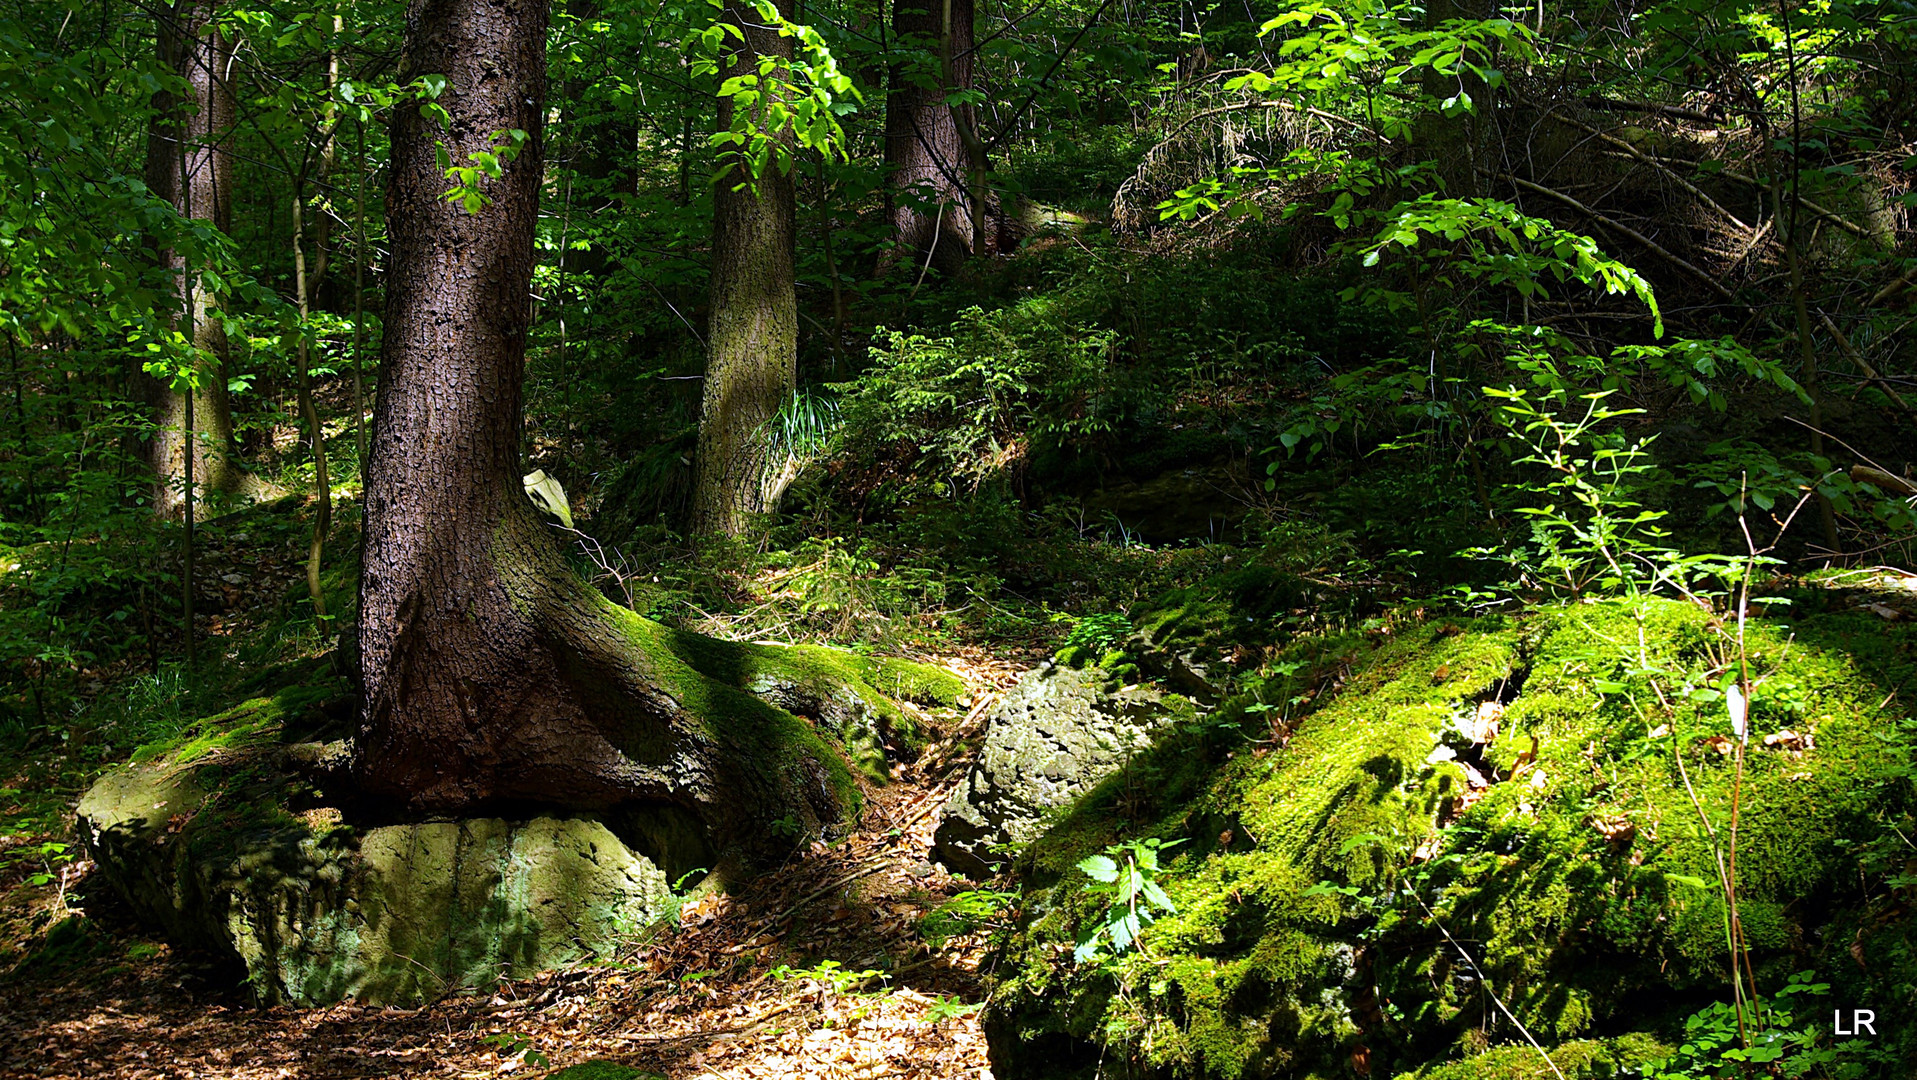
(697, 1002)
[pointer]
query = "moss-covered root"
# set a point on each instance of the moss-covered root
(857, 698)
(767, 737)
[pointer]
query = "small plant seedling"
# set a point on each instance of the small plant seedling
(516, 1044)
(787, 828)
(834, 976)
(1126, 875)
(946, 1007)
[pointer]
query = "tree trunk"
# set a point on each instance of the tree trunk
(305, 286)
(752, 347)
(491, 675)
(197, 178)
(1457, 145)
(929, 204)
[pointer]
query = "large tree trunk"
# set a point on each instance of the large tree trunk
(491, 674)
(188, 164)
(752, 348)
(931, 209)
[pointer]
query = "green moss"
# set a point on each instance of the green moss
(1229, 609)
(1571, 877)
(782, 751)
(601, 1070)
(253, 722)
(1578, 1059)
(854, 696)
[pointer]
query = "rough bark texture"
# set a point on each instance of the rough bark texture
(752, 348)
(202, 117)
(490, 673)
(923, 151)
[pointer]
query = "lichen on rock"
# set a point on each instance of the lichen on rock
(1056, 734)
(316, 911)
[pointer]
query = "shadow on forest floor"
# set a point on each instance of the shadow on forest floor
(100, 1000)
(97, 998)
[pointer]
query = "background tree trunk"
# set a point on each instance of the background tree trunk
(752, 348)
(924, 153)
(1458, 145)
(202, 119)
(491, 674)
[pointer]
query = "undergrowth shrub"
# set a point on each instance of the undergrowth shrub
(974, 403)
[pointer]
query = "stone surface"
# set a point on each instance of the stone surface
(317, 911)
(1055, 736)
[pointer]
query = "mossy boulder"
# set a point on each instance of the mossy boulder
(1331, 878)
(316, 911)
(1057, 733)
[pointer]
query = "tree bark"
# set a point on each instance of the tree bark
(188, 164)
(752, 345)
(491, 675)
(930, 207)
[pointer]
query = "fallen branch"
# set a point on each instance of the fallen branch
(1821, 211)
(1891, 290)
(1656, 248)
(1678, 111)
(1858, 359)
(874, 867)
(1655, 163)
(1285, 106)
(1878, 478)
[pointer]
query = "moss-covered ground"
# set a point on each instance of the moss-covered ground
(1361, 888)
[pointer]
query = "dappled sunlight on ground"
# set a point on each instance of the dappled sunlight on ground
(767, 983)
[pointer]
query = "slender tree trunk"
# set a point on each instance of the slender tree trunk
(305, 285)
(1458, 144)
(826, 227)
(931, 209)
(752, 343)
(359, 300)
(965, 118)
(188, 164)
(1793, 259)
(490, 673)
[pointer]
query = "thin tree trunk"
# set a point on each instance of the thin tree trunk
(322, 488)
(1457, 144)
(965, 118)
(1800, 305)
(928, 201)
(490, 672)
(305, 286)
(826, 227)
(359, 300)
(752, 344)
(188, 164)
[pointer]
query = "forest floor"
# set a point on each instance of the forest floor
(715, 997)
(823, 968)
